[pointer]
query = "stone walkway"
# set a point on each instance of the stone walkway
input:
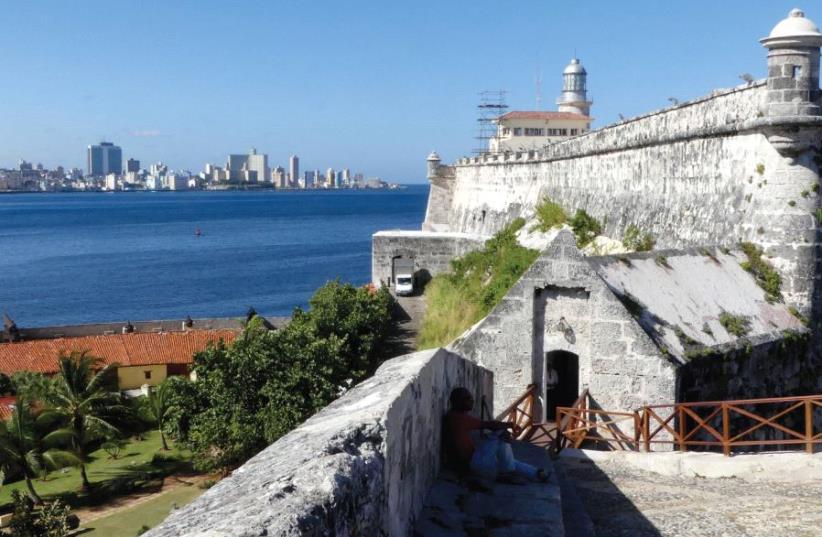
(479, 508)
(624, 501)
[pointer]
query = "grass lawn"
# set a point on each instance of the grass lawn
(125, 523)
(134, 468)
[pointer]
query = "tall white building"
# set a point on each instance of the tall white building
(330, 178)
(258, 163)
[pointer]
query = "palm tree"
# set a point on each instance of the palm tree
(84, 405)
(159, 406)
(22, 447)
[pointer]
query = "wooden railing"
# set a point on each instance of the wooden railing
(521, 412)
(781, 421)
(605, 426)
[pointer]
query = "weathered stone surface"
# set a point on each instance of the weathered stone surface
(361, 466)
(467, 507)
(431, 252)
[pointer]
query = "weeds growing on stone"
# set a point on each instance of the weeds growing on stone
(795, 312)
(662, 261)
(766, 276)
(792, 203)
(637, 241)
(477, 283)
(549, 215)
(760, 168)
(585, 227)
(738, 325)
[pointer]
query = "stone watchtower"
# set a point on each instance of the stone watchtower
(574, 98)
(788, 213)
(793, 67)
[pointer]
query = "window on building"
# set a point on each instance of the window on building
(564, 132)
(574, 132)
(147, 374)
(517, 131)
(530, 131)
(796, 71)
(506, 131)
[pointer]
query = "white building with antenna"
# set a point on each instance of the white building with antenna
(528, 130)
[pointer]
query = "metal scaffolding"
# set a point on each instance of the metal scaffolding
(492, 105)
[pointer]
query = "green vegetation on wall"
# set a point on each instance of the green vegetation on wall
(549, 215)
(738, 325)
(478, 282)
(637, 241)
(586, 227)
(764, 273)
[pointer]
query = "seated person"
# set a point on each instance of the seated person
(460, 449)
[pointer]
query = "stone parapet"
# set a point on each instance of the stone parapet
(361, 466)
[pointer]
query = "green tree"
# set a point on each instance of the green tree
(266, 382)
(84, 405)
(22, 449)
(159, 407)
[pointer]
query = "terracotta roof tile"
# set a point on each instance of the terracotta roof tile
(126, 349)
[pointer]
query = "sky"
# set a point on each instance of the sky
(372, 86)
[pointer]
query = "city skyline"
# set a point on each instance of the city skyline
(424, 66)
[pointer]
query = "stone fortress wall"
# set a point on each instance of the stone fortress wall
(361, 466)
(703, 172)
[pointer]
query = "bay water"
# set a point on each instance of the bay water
(72, 258)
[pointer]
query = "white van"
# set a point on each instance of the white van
(404, 284)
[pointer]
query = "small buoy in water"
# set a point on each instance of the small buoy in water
(198, 232)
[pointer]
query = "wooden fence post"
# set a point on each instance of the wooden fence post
(726, 428)
(681, 427)
(646, 428)
(809, 426)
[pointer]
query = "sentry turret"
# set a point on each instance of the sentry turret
(793, 67)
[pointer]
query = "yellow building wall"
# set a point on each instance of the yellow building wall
(132, 377)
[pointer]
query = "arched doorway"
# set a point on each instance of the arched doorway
(561, 381)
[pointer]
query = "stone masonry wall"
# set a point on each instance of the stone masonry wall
(701, 173)
(618, 362)
(432, 252)
(361, 466)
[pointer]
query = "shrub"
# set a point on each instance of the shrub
(51, 520)
(142, 530)
(635, 240)
(477, 283)
(586, 227)
(549, 215)
(760, 168)
(765, 275)
(738, 325)
(266, 382)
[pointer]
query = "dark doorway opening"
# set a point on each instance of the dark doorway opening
(565, 388)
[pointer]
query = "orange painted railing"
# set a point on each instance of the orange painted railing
(776, 421)
(732, 424)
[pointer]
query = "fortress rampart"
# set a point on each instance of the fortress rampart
(361, 466)
(709, 171)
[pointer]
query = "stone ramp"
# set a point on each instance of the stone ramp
(474, 507)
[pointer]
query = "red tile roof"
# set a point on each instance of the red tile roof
(126, 349)
(543, 115)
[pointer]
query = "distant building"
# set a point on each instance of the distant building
(133, 165)
(278, 177)
(528, 130)
(310, 179)
(294, 169)
(176, 181)
(330, 178)
(104, 159)
(142, 358)
(346, 177)
(111, 181)
(258, 163)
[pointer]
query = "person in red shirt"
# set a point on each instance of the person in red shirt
(493, 455)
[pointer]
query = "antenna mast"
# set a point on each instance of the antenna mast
(492, 105)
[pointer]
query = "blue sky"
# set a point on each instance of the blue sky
(370, 85)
